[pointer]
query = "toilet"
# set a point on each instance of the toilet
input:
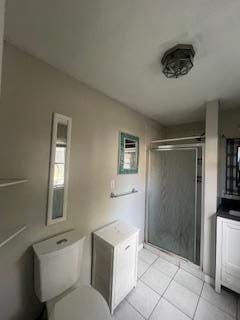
(57, 264)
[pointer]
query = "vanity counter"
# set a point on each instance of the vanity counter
(226, 206)
(223, 213)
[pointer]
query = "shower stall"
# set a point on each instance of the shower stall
(174, 202)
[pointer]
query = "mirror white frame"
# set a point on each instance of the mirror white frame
(58, 119)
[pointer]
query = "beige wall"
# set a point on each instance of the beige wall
(31, 91)
(2, 14)
(185, 130)
(211, 186)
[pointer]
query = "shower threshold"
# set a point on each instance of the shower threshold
(179, 261)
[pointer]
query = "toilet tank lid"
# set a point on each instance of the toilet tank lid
(56, 243)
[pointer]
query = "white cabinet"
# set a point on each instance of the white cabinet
(114, 270)
(228, 254)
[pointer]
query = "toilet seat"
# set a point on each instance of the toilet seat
(83, 303)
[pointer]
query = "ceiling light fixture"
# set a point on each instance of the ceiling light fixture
(178, 61)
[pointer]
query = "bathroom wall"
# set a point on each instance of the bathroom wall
(31, 91)
(210, 186)
(185, 130)
(2, 14)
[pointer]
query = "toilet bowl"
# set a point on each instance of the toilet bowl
(82, 303)
(57, 264)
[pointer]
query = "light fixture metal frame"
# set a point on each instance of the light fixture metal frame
(178, 60)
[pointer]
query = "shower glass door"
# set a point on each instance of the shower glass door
(174, 210)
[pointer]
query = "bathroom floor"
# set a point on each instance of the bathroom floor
(165, 292)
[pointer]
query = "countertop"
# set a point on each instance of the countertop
(223, 213)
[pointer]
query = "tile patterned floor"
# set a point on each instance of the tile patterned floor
(165, 292)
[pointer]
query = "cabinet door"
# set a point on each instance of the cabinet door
(125, 269)
(230, 248)
(102, 268)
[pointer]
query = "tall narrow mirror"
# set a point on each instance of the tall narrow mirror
(59, 164)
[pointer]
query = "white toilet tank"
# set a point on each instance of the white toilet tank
(57, 263)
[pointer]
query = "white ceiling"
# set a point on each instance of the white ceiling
(115, 47)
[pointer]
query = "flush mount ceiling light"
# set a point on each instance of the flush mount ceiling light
(178, 60)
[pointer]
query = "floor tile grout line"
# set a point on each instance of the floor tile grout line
(170, 301)
(136, 310)
(173, 279)
(147, 285)
(165, 274)
(205, 299)
(148, 266)
(193, 271)
(151, 253)
(162, 296)
(177, 307)
(199, 297)
(191, 274)
(188, 287)
(159, 270)
(139, 279)
(228, 314)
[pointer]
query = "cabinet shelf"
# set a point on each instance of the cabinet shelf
(9, 234)
(11, 182)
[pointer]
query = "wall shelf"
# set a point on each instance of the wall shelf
(11, 182)
(9, 234)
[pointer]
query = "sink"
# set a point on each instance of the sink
(234, 213)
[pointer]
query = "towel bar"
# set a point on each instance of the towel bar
(113, 195)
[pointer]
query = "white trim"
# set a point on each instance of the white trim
(196, 202)
(209, 280)
(58, 118)
(11, 182)
(176, 146)
(7, 235)
(178, 139)
(140, 247)
(148, 175)
(218, 268)
(202, 208)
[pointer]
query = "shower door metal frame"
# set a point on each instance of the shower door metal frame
(190, 146)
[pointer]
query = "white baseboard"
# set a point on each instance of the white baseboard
(140, 247)
(209, 280)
